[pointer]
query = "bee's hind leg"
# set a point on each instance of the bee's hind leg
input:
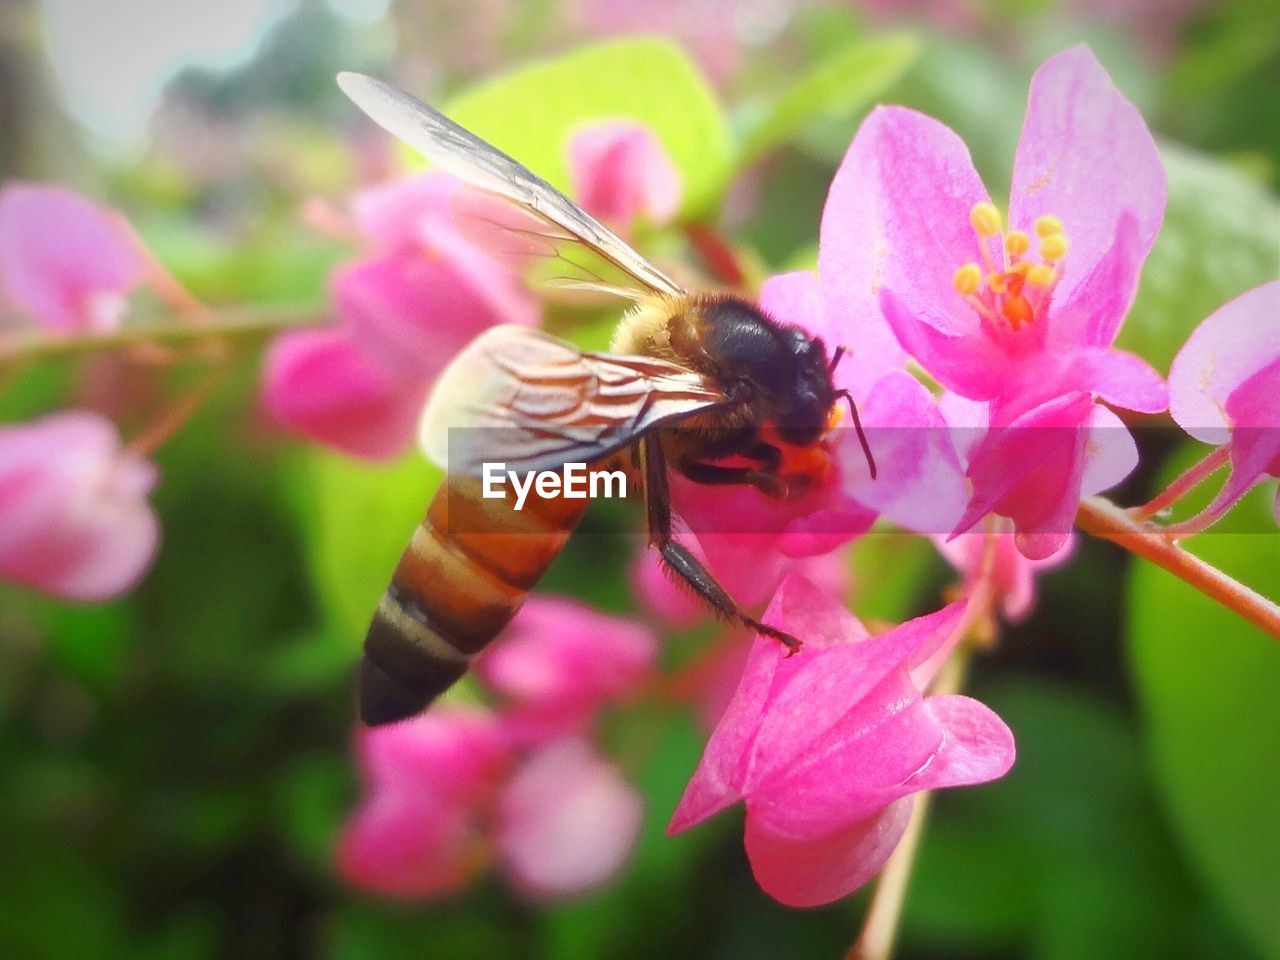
(678, 559)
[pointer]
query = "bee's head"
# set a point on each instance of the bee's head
(783, 367)
(811, 395)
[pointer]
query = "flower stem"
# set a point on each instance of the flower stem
(238, 323)
(158, 433)
(718, 254)
(1102, 518)
(1180, 487)
(880, 928)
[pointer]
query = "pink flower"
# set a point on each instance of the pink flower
(74, 516)
(559, 662)
(421, 828)
(750, 575)
(1012, 576)
(921, 483)
(910, 238)
(324, 386)
(1225, 388)
(566, 822)
(619, 171)
(63, 259)
(404, 311)
(827, 748)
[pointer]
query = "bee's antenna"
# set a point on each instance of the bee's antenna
(835, 358)
(857, 425)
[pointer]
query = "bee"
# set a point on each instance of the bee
(742, 386)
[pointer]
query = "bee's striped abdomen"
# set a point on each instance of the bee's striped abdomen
(466, 572)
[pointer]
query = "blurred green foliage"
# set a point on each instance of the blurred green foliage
(175, 765)
(531, 112)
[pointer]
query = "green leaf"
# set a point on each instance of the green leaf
(1208, 683)
(1063, 857)
(531, 112)
(841, 84)
(891, 573)
(360, 517)
(1218, 240)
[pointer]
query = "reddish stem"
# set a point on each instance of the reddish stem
(718, 254)
(1102, 518)
(160, 430)
(1187, 482)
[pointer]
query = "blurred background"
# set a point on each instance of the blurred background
(175, 765)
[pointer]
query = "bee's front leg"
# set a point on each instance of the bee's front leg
(678, 559)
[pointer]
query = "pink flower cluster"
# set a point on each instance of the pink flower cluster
(522, 786)
(1016, 324)
(421, 290)
(75, 521)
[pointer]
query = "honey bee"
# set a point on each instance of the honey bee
(742, 386)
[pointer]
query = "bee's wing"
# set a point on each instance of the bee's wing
(522, 397)
(461, 153)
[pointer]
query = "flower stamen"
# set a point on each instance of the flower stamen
(1019, 293)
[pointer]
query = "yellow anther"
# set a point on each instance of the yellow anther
(1017, 243)
(967, 279)
(985, 219)
(1053, 247)
(1047, 226)
(1041, 275)
(997, 283)
(1021, 268)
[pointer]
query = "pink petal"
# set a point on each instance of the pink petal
(450, 750)
(1254, 411)
(897, 219)
(659, 591)
(1110, 453)
(403, 846)
(1090, 313)
(393, 214)
(620, 170)
(797, 299)
(418, 832)
(971, 364)
(320, 384)
(412, 313)
(978, 746)
(783, 706)
(63, 259)
(921, 483)
(808, 871)
(560, 661)
(822, 531)
(1121, 379)
(854, 767)
(567, 821)
(1030, 471)
(1232, 344)
(811, 839)
(74, 516)
(1087, 157)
